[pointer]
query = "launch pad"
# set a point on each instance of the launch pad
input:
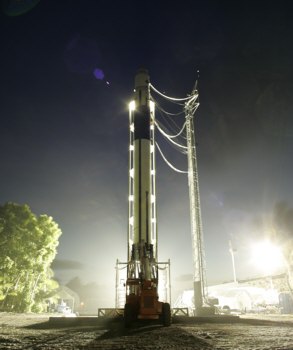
(112, 316)
(142, 286)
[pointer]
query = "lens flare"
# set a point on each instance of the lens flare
(98, 74)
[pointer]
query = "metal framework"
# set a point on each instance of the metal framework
(199, 276)
(164, 286)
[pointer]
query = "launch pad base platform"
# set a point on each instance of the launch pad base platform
(102, 321)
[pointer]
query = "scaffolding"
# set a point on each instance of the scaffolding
(164, 286)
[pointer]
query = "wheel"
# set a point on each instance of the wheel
(166, 313)
(128, 312)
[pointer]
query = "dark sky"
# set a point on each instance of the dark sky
(64, 129)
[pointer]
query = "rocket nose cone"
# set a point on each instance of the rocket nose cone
(142, 69)
(142, 77)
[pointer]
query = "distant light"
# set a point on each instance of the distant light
(267, 256)
(131, 198)
(132, 106)
(131, 148)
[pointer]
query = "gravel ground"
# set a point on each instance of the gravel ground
(35, 332)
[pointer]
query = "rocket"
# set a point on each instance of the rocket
(142, 199)
(142, 298)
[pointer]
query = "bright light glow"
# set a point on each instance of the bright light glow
(131, 173)
(131, 221)
(131, 147)
(153, 198)
(132, 127)
(153, 172)
(131, 197)
(267, 256)
(132, 106)
(152, 106)
(152, 148)
(152, 127)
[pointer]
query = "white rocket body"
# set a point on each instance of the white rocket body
(142, 238)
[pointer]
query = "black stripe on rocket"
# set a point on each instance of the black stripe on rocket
(141, 131)
(142, 123)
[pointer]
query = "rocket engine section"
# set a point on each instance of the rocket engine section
(142, 269)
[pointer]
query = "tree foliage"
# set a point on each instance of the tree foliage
(27, 248)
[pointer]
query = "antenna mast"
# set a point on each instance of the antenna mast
(195, 212)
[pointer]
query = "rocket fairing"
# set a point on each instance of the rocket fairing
(142, 206)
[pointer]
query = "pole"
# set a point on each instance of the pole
(195, 212)
(231, 250)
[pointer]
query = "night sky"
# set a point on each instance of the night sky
(66, 78)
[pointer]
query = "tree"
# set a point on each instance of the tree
(27, 248)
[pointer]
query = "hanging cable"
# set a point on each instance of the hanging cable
(168, 163)
(178, 149)
(169, 98)
(167, 136)
(171, 124)
(192, 98)
(178, 134)
(162, 110)
(168, 119)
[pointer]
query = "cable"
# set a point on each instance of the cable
(167, 136)
(168, 123)
(191, 98)
(169, 98)
(178, 149)
(162, 110)
(177, 135)
(164, 114)
(183, 151)
(168, 163)
(171, 123)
